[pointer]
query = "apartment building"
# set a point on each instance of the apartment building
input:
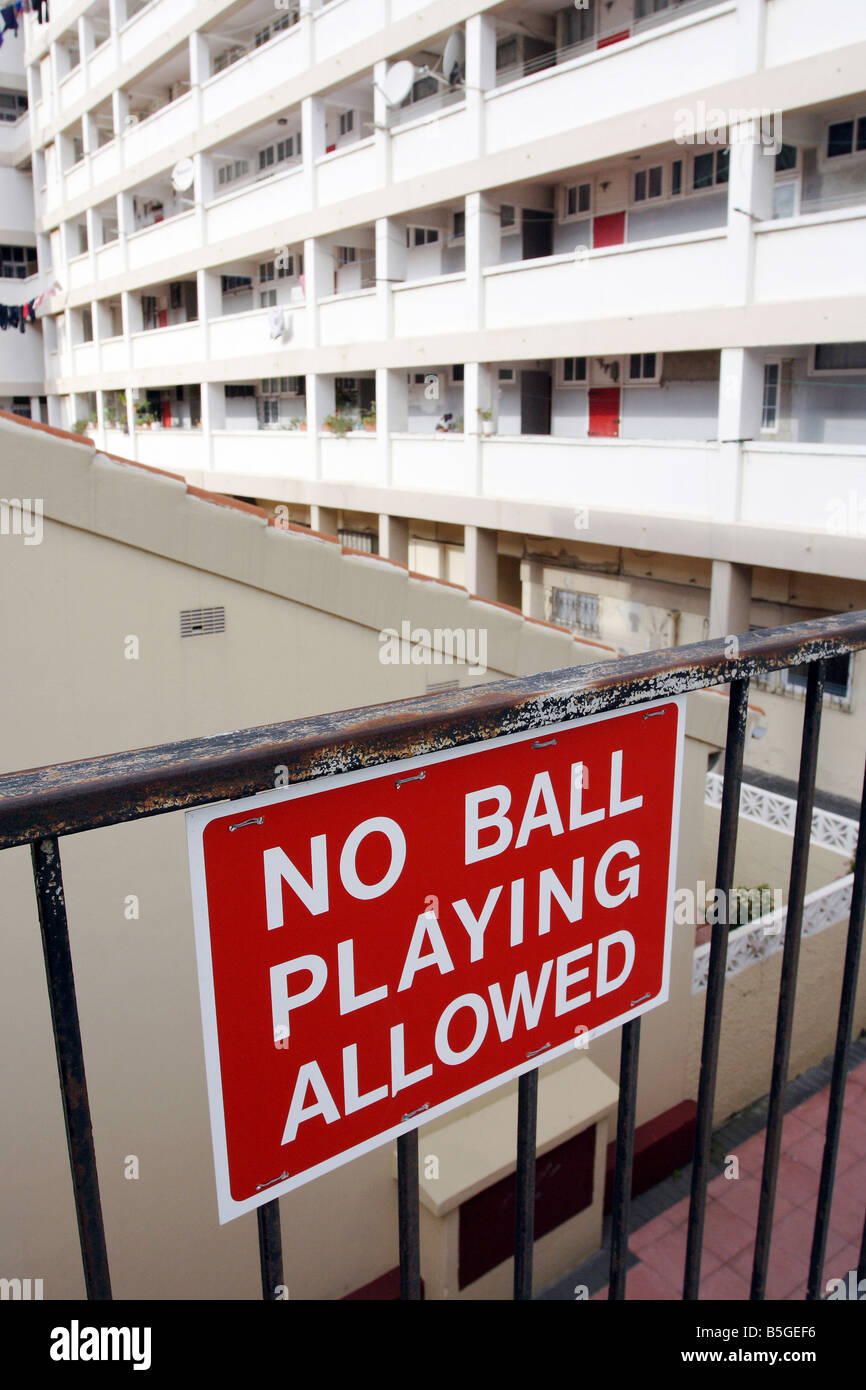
(564, 302)
(21, 361)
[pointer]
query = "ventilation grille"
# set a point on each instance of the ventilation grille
(202, 622)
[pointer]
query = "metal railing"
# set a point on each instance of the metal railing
(39, 805)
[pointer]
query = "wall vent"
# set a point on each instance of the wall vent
(202, 622)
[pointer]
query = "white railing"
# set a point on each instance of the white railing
(765, 936)
(829, 831)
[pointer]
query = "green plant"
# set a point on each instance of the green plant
(338, 424)
(81, 426)
(485, 414)
(369, 417)
(296, 423)
(144, 414)
(459, 424)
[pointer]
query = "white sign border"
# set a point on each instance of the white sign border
(197, 821)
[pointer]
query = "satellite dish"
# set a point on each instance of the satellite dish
(398, 82)
(276, 323)
(454, 59)
(182, 175)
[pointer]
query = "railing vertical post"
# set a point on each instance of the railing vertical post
(409, 1216)
(850, 974)
(788, 985)
(51, 902)
(729, 819)
(619, 1229)
(524, 1184)
(270, 1249)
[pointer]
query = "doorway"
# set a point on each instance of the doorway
(535, 402)
(604, 412)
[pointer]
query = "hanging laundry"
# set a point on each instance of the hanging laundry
(41, 8)
(9, 15)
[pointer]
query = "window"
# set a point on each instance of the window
(846, 137)
(643, 8)
(233, 284)
(236, 169)
(572, 371)
(644, 366)
(506, 53)
(347, 122)
(17, 262)
(421, 236)
(770, 415)
(458, 373)
(579, 23)
(839, 357)
(578, 198)
(149, 312)
(676, 178)
(345, 255)
(505, 374)
(575, 610)
(266, 271)
(837, 681)
(459, 229)
(266, 157)
(87, 325)
(648, 183)
(270, 411)
(710, 168)
(234, 393)
(786, 159)
(508, 217)
(12, 105)
(268, 299)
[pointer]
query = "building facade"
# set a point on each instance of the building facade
(562, 302)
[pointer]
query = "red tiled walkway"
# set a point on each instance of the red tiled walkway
(732, 1207)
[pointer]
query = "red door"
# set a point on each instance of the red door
(608, 230)
(604, 412)
(166, 413)
(613, 38)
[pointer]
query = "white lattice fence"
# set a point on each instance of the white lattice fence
(779, 812)
(765, 936)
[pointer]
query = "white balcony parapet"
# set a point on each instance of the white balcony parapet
(829, 831)
(765, 937)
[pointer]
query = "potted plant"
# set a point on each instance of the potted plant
(296, 423)
(369, 419)
(339, 425)
(81, 426)
(486, 420)
(144, 416)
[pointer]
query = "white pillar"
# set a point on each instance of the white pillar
(318, 282)
(320, 402)
(741, 392)
(381, 131)
(480, 74)
(751, 28)
(313, 144)
(390, 270)
(213, 415)
(392, 415)
(730, 599)
(750, 201)
(481, 554)
(324, 519)
(478, 394)
(394, 538)
(482, 249)
(532, 589)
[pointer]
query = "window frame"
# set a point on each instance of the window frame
(814, 370)
(581, 383)
(774, 428)
(642, 380)
(579, 215)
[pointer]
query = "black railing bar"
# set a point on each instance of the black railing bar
(94, 792)
(727, 851)
(51, 903)
(861, 1263)
(270, 1250)
(409, 1216)
(844, 1029)
(524, 1184)
(788, 982)
(622, 1175)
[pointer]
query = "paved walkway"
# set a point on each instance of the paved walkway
(658, 1245)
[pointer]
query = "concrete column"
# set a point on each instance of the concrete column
(213, 415)
(199, 60)
(481, 552)
(318, 283)
(125, 224)
(130, 304)
(482, 249)
(730, 599)
(86, 37)
(89, 133)
(101, 321)
(480, 73)
(532, 589)
(324, 519)
(307, 9)
(381, 131)
(390, 270)
(741, 393)
(750, 201)
(479, 393)
(130, 421)
(209, 293)
(392, 415)
(313, 142)
(117, 14)
(394, 538)
(320, 402)
(751, 29)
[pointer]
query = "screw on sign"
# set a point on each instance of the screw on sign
(340, 1009)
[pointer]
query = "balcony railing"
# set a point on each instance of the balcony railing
(41, 805)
